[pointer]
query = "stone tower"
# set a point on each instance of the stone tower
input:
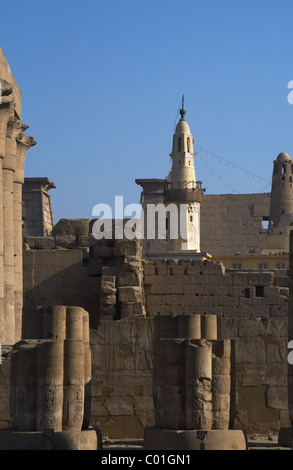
(281, 205)
(282, 192)
(183, 190)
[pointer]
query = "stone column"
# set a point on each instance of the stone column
(198, 385)
(74, 323)
(9, 163)
(50, 373)
(54, 322)
(6, 110)
(73, 401)
(23, 387)
(209, 327)
(189, 326)
(23, 144)
(221, 384)
(191, 387)
(87, 371)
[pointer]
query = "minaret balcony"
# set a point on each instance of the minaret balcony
(184, 195)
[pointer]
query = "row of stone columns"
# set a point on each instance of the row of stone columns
(51, 376)
(13, 147)
(192, 374)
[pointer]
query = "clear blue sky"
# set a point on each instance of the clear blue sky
(102, 81)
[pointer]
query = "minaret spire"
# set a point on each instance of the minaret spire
(182, 110)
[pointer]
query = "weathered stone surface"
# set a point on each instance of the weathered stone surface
(65, 440)
(86, 241)
(126, 248)
(129, 294)
(278, 398)
(40, 243)
(72, 227)
(132, 309)
(128, 279)
(162, 439)
(122, 354)
(65, 241)
(101, 251)
(132, 264)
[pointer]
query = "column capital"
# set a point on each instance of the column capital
(23, 144)
(6, 91)
(12, 131)
(6, 112)
(25, 140)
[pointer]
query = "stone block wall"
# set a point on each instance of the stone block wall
(58, 277)
(229, 223)
(122, 377)
(253, 313)
(71, 267)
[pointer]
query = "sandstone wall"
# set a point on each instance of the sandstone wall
(58, 277)
(232, 223)
(122, 377)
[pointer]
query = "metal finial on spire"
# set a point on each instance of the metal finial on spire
(182, 110)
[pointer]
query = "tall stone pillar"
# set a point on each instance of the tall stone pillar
(5, 113)
(9, 165)
(23, 144)
(13, 148)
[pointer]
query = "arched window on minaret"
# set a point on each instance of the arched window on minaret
(179, 144)
(188, 144)
(283, 169)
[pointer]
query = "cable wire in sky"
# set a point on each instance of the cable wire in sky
(248, 172)
(218, 176)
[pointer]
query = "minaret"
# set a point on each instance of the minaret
(282, 191)
(183, 189)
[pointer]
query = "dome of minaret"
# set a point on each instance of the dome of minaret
(283, 156)
(182, 126)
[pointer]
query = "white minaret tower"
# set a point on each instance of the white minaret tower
(183, 189)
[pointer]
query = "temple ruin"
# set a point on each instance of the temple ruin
(168, 341)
